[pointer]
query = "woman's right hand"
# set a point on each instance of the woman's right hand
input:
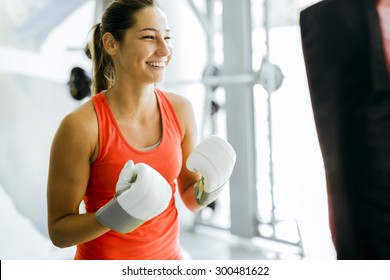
(141, 194)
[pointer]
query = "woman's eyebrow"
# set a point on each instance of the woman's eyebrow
(153, 29)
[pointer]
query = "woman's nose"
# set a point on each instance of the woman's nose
(164, 48)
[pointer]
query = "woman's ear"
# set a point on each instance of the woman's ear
(109, 43)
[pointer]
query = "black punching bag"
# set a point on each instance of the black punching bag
(350, 94)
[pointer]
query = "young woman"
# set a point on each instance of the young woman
(124, 151)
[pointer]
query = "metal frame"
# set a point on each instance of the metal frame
(240, 117)
(238, 80)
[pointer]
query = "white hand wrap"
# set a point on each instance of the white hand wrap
(141, 194)
(214, 158)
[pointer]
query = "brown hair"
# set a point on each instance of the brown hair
(116, 19)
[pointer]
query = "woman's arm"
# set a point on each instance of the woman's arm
(73, 147)
(186, 179)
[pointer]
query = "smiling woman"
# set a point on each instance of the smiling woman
(137, 51)
(124, 151)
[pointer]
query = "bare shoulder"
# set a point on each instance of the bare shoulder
(79, 128)
(178, 101)
(83, 119)
(182, 105)
(184, 111)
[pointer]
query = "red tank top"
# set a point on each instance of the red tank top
(158, 238)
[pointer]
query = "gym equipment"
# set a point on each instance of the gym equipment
(349, 89)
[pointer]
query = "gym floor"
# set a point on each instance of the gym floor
(210, 244)
(205, 236)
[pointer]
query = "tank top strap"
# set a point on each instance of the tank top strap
(168, 112)
(104, 119)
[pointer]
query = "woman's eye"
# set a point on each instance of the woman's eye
(148, 37)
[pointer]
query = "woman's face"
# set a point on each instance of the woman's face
(146, 49)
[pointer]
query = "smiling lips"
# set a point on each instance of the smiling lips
(157, 63)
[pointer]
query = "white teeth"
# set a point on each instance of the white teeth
(157, 64)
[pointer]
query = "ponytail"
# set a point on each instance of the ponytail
(103, 66)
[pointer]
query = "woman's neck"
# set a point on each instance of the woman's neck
(131, 100)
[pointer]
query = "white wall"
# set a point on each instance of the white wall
(33, 99)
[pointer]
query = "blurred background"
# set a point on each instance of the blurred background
(241, 65)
